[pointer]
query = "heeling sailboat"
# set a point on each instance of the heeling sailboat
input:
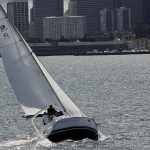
(36, 90)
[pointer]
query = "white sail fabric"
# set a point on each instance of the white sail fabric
(33, 86)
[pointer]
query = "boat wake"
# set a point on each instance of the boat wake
(42, 142)
(102, 137)
(28, 143)
(12, 143)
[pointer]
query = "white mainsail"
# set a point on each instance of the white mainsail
(32, 84)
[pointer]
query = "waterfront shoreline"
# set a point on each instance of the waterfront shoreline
(94, 54)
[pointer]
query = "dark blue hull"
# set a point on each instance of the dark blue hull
(73, 133)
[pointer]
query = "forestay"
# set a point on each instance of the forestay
(32, 84)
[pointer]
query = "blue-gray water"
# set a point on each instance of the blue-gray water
(115, 90)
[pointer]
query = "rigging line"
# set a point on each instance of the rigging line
(11, 44)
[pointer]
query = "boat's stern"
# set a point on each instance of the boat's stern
(73, 128)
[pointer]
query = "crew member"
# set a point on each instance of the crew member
(51, 111)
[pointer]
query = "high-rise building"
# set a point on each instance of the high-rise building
(122, 19)
(66, 26)
(90, 9)
(31, 25)
(146, 12)
(136, 7)
(45, 8)
(31, 15)
(106, 20)
(72, 5)
(118, 20)
(17, 10)
(117, 4)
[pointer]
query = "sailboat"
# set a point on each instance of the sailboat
(36, 90)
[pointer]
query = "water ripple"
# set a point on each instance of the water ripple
(114, 90)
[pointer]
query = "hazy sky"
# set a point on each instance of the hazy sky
(4, 4)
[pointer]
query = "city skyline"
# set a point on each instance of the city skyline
(45, 8)
(4, 4)
(18, 13)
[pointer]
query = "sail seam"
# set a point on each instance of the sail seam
(11, 44)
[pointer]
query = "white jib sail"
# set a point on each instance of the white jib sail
(32, 84)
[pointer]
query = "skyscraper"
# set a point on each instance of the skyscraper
(118, 19)
(31, 15)
(117, 3)
(106, 20)
(72, 5)
(90, 9)
(45, 8)
(122, 17)
(146, 12)
(17, 10)
(136, 7)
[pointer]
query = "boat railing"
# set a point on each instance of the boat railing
(39, 112)
(67, 112)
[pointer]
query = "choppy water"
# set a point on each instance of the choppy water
(115, 90)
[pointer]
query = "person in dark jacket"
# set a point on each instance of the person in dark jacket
(51, 110)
